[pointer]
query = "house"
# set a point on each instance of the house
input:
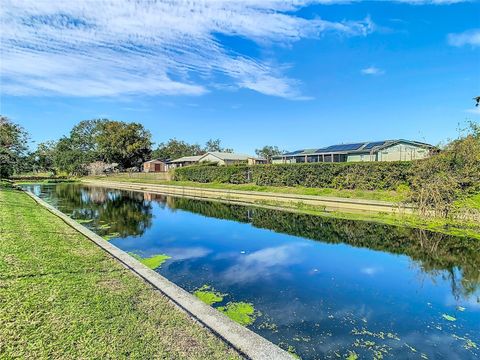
(216, 157)
(184, 161)
(224, 158)
(387, 150)
(155, 165)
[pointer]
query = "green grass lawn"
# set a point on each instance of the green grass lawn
(391, 196)
(63, 297)
(470, 202)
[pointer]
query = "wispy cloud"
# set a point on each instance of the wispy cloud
(372, 70)
(470, 37)
(433, 2)
(264, 263)
(112, 47)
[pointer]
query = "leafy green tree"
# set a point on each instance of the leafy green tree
(84, 135)
(128, 144)
(449, 175)
(42, 159)
(67, 156)
(73, 153)
(174, 149)
(216, 145)
(13, 146)
(267, 152)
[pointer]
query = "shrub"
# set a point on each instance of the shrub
(365, 176)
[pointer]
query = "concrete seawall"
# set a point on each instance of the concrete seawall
(324, 202)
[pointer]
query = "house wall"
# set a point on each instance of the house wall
(150, 167)
(403, 152)
(212, 159)
(361, 157)
(398, 152)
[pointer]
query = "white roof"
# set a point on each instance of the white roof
(187, 159)
(229, 156)
(154, 160)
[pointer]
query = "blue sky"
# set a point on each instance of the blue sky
(292, 74)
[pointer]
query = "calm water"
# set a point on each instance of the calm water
(325, 288)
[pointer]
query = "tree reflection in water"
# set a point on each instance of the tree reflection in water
(456, 258)
(123, 213)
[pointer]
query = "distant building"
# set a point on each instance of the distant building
(219, 158)
(223, 158)
(184, 161)
(155, 165)
(387, 150)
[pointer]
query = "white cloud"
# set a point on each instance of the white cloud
(432, 2)
(371, 270)
(372, 70)
(112, 47)
(470, 37)
(263, 263)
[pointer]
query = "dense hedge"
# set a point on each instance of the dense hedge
(365, 176)
(37, 177)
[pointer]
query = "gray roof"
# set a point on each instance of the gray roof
(361, 147)
(187, 159)
(154, 160)
(229, 156)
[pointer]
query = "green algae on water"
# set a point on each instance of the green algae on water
(84, 221)
(448, 317)
(153, 262)
(352, 355)
(240, 312)
(111, 236)
(292, 351)
(208, 295)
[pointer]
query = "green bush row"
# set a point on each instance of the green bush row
(363, 176)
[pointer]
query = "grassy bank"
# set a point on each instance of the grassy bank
(63, 297)
(391, 196)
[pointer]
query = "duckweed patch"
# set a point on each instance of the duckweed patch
(111, 236)
(292, 351)
(269, 326)
(448, 317)
(352, 355)
(84, 221)
(208, 295)
(241, 312)
(153, 262)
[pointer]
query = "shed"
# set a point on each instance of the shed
(155, 165)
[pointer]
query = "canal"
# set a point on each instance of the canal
(319, 287)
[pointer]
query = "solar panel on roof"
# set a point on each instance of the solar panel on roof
(374, 144)
(343, 147)
(294, 152)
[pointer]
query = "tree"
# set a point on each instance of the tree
(67, 156)
(84, 135)
(128, 144)
(215, 145)
(445, 177)
(73, 153)
(13, 146)
(267, 152)
(42, 159)
(175, 149)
